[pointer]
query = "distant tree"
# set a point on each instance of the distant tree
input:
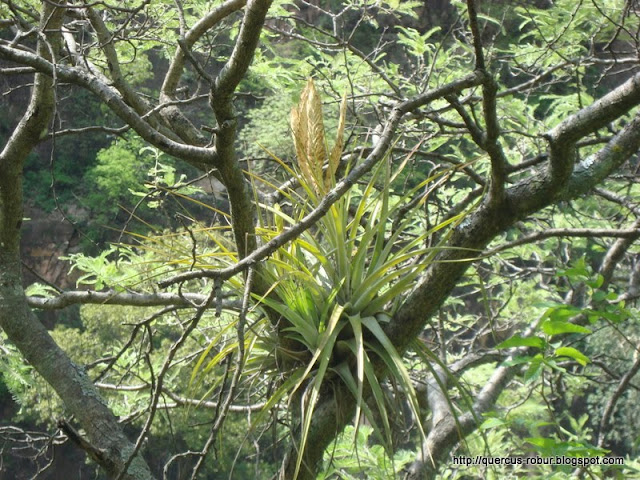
(378, 257)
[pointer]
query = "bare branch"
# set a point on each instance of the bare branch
(68, 298)
(236, 67)
(616, 252)
(475, 32)
(158, 383)
(129, 95)
(196, 32)
(629, 235)
(179, 400)
(611, 404)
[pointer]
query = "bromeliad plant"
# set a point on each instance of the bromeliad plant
(335, 285)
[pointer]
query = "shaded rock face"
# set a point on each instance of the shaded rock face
(45, 238)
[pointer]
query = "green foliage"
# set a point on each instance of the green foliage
(354, 452)
(267, 129)
(133, 181)
(418, 44)
(15, 374)
(72, 156)
(560, 352)
(120, 169)
(40, 290)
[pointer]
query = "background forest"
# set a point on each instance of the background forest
(319, 240)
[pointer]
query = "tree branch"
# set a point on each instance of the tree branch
(611, 404)
(192, 154)
(68, 298)
(202, 26)
(600, 113)
(187, 131)
(221, 101)
(629, 235)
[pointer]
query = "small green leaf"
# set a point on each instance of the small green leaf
(40, 290)
(517, 361)
(518, 341)
(534, 370)
(596, 282)
(492, 423)
(545, 443)
(551, 327)
(571, 352)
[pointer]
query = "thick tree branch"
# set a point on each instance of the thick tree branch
(221, 101)
(206, 23)
(188, 132)
(475, 33)
(236, 67)
(564, 136)
(449, 430)
(195, 155)
(488, 220)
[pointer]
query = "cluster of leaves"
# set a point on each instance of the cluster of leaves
(354, 452)
(557, 408)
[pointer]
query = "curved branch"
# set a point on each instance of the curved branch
(611, 404)
(206, 23)
(238, 64)
(113, 63)
(615, 254)
(191, 154)
(172, 114)
(600, 113)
